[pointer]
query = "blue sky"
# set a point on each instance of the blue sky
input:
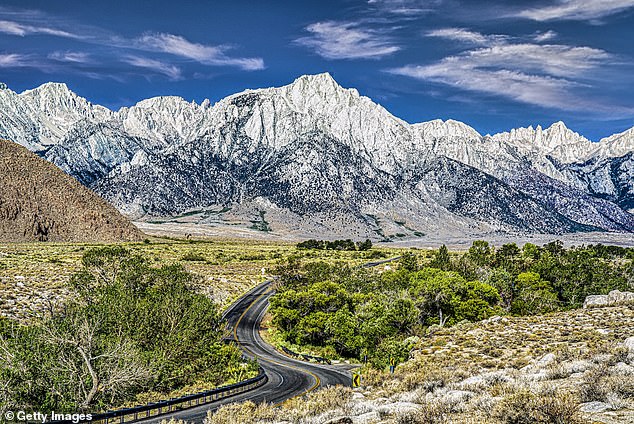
(492, 65)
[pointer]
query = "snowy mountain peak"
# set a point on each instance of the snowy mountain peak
(558, 134)
(618, 144)
(559, 125)
(627, 134)
(557, 141)
(162, 102)
(438, 128)
(320, 85)
(56, 98)
(323, 78)
(48, 89)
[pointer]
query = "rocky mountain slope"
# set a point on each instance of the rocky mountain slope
(40, 202)
(317, 157)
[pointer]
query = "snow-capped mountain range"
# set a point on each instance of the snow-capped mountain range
(315, 157)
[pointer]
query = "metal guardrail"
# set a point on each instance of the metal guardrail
(129, 415)
(305, 357)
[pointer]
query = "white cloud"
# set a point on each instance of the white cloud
(28, 22)
(72, 57)
(557, 60)
(540, 37)
(345, 40)
(533, 89)
(579, 10)
(406, 7)
(464, 35)
(544, 75)
(171, 71)
(15, 28)
(13, 60)
(208, 55)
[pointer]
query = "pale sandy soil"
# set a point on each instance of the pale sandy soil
(433, 241)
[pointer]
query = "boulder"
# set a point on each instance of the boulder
(621, 368)
(578, 366)
(361, 407)
(629, 344)
(616, 297)
(594, 407)
(596, 301)
(457, 396)
(368, 417)
(398, 408)
(546, 360)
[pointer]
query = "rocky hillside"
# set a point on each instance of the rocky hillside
(316, 156)
(40, 202)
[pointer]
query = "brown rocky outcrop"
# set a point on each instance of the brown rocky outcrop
(39, 202)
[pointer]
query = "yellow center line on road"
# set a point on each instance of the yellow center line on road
(235, 336)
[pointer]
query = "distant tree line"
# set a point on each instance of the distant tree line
(534, 279)
(347, 244)
(358, 313)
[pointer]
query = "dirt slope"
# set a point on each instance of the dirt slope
(39, 202)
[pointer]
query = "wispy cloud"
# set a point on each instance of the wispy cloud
(19, 29)
(171, 71)
(557, 60)
(20, 22)
(464, 35)
(205, 54)
(579, 10)
(347, 40)
(13, 60)
(541, 37)
(539, 74)
(72, 57)
(533, 89)
(406, 7)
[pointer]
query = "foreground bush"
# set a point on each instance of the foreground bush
(130, 328)
(549, 406)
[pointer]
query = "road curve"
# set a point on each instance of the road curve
(287, 377)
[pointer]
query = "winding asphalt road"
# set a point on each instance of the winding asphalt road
(287, 377)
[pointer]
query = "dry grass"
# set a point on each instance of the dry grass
(499, 371)
(548, 406)
(34, 274)
(242, 413)
(307, 409)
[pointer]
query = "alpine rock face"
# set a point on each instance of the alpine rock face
(315, 158)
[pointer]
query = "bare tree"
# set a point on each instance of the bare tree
(97, 368)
